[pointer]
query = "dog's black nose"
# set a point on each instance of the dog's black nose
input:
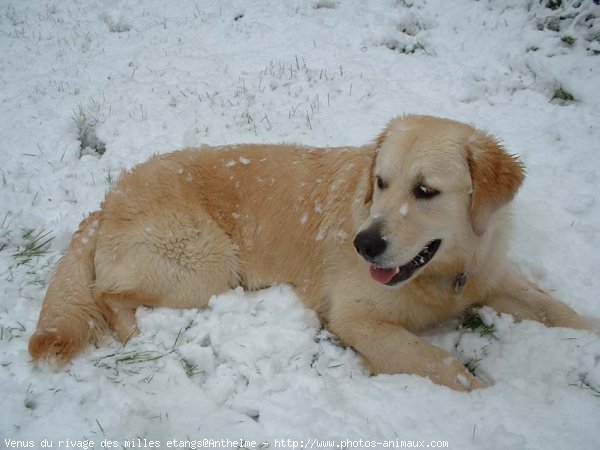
(370, 243)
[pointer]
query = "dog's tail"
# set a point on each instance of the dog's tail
(70, 318)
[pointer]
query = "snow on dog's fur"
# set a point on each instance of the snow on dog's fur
(383, 241)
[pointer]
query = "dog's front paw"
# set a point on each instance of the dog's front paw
(467, 382)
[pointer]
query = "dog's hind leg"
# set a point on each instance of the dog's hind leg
(174, 259)
(524, 301)
(119, 310)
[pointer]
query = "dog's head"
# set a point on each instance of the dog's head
(436, 185)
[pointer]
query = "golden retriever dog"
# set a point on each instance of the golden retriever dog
(383, 241)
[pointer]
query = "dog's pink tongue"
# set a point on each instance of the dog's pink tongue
(382, 275)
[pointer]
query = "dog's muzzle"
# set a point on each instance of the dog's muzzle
(370, 244)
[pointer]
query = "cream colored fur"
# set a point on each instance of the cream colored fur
(190, 224)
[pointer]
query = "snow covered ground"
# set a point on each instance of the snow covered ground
(139, 77)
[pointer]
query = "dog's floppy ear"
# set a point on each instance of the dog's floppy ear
(496, 177)
(371, 181)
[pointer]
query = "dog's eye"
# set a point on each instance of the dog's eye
(424, 192)
(380, 183)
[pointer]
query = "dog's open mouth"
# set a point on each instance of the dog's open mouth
(393, 276)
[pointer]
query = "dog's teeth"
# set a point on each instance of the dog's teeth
(397, 270)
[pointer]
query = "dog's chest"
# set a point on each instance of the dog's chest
(428, 303)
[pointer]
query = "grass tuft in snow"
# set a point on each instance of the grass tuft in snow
(28, 248)
(147, 363)
(115, 25)
(325, 4)
(87, 119)
(407, 48)
(553, 4)
(4, 231)
(133, 362)
(15, 331)
(191, 369)
(473, 364)
(406, 37)
(131, 357)
(474, 323)
(37, 243)
(562, 96)
(109, 177)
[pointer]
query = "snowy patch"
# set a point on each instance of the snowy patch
(403, 211)
(342, 235)
(92, 87)
(579, 203)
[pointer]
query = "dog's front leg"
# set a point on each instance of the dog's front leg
(389, 348)
(524, 301)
